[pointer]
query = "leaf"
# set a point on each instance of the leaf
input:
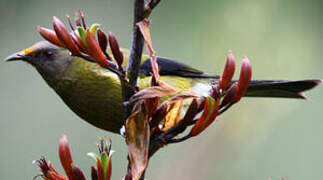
(137, 140)
(210, 112)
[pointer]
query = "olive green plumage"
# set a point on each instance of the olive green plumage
(94, 93)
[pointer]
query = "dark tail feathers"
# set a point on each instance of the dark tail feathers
(280, 88)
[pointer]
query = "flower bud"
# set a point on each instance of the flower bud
(50, 36)
(66, 157)
(117, 54)
(244, 80)
(64, 36)
(228, 72)
(103, 40)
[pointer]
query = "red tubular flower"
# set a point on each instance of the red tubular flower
(79, 43)
(103, 170)
(109, 171)
(64, 36)
(66, 157)
(211, 109)
(100, 169)
(228, 72)
(50, 36)
(48, 172)
(94, 50)
(244, 80)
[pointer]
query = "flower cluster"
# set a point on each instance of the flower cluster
(102, 171)
(166, 115)
(154, 124)
(82, 41)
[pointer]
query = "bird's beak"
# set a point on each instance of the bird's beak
(16, 56)
(21, 55)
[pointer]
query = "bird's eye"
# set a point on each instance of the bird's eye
(49, 54)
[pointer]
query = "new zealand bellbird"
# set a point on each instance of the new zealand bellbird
(94, 94)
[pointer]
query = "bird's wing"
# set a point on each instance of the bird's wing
(173, 68)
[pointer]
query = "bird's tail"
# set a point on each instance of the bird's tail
(280, 88)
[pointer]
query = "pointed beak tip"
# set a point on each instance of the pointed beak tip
(14, 57)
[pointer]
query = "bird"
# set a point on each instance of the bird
(94, 93)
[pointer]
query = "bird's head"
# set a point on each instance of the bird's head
(49, 60)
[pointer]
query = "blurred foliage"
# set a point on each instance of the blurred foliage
(257, 139)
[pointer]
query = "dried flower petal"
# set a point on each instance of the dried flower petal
(137, 139)
(173, 114)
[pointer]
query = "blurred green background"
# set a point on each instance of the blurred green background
(256, 139)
